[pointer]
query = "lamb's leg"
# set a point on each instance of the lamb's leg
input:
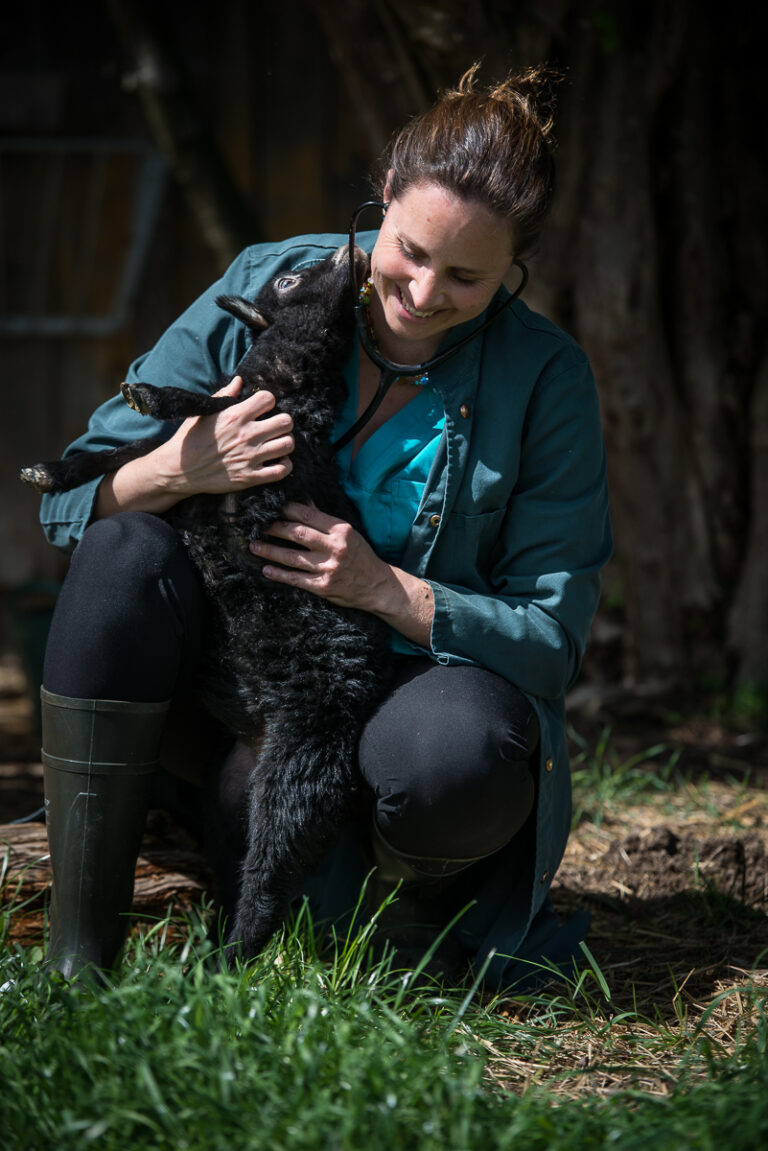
(301, 794)
(171, 403)
(62, 475)
(163, 403)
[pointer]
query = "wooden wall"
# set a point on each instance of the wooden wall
(68, 106)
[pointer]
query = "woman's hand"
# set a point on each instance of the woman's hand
(235, 449)
(332, 560)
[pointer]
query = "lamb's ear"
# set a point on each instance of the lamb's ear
(243, 310)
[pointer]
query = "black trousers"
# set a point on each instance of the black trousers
(446, 755)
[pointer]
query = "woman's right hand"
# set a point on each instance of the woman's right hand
(234, 449)
(238, 448)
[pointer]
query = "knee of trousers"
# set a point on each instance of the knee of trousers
(131, 596)
(121, 545)
(131, 558)
(461, 793)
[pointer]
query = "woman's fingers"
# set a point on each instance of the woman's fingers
(319, 539)
(243, 445)
(274, 470)
(287, 557)
(232, 388)
(328, 557)
(309, 528)
(270, 442)
(310, 515)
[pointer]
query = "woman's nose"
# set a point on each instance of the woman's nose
(425, 291)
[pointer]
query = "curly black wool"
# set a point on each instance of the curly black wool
(292, 675)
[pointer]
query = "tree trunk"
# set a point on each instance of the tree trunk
(181, 130)
(655, 259)
(170, 875)
(652, 262)
(748, 617)
(618, 317)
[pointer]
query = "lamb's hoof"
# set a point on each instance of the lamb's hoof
(230, 956)
(244, 944)
(38, 477)
(138, 397)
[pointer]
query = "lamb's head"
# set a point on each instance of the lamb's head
(314, 300)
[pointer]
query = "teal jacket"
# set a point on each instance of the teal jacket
(511, 533)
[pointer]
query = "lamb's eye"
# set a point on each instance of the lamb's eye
(286, 283)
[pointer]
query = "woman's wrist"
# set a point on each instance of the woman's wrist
(149, 484)
(407, 604)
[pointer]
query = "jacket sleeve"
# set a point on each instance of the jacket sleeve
(529, 616)
(199, 351)
(194, 352)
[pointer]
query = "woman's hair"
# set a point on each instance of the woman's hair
(493, 146)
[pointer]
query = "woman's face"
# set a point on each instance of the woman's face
(437, 262)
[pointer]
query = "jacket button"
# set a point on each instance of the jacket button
(549, 764)
(434, 520)
(465, 411)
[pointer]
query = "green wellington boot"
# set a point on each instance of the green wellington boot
(413, 923)
(99, 757)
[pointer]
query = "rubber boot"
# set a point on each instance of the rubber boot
(99, 757)
(412, 924)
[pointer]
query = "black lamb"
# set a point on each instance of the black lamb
(292, 675)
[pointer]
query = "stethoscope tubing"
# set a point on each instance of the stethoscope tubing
(389, 370)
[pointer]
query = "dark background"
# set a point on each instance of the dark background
(142, 145)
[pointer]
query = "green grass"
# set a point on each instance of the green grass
(305, 1050)
(296, 1052)
(604, 783)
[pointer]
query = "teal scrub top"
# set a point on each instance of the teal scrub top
(385, 478)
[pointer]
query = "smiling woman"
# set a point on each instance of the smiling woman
(483, 526)
(438, 262)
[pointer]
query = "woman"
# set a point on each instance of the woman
(481, 484)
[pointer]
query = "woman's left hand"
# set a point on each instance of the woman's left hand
(332, 560)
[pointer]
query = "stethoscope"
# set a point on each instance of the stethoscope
(390, 371)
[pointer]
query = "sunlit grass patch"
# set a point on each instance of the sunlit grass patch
(296, 1051)
(659, 1038)
(604, 782)
(283, 1052)
(576, 1042)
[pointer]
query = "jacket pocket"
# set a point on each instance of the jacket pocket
(469, 542)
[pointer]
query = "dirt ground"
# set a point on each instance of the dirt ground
(677, 887)
(676, 882)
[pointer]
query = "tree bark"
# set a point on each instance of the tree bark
(650, 259)
(181, 131)
(654, 258)
(170, 874)
(748, 616)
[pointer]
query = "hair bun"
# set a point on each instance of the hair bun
(532, 92)
(493, 145)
